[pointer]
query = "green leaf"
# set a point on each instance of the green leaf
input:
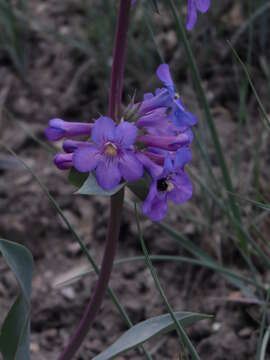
(15, 331)
(14, 338)
(140, 187)
(76, 178)
(91, 187)
(146, 330)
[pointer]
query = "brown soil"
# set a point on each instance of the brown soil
(60, 81)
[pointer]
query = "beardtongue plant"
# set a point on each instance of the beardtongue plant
(148, 140)
(154, 143)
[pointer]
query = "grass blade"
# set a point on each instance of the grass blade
(147, 330)
(211, 125)
(263, 111)
(179, 328)
(68, 279)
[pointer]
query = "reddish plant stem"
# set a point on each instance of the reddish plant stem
(101, 287)
(119, 57)
(116, 200)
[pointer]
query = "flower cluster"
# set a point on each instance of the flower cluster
(154, 140)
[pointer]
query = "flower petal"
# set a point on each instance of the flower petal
(130, 167)
(163, 73)
(182, 188)
(162, 99)
(148, 96)
(182, 157)
(108, 174)
(103, 130)
(53, 134)
(86, 159)
(155, 205)
(203, 5)
(191, 14)
(171, 143)
(125, 133)
(157, 117)
(63, 161)
(59, 128)
(154, 169)
(69, 146)
(180, 117)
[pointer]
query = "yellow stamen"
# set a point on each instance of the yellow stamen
(176, 96)
(110, 149)
(170, 186)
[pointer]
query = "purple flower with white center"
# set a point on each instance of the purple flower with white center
(63, 161)
(59, 129)
(194, 6)
(180, 117)
(111, 155)
(172, 184)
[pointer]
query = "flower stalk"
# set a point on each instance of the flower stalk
(116, 200)
(119, 58)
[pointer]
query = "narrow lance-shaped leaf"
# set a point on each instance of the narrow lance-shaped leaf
(91, 187)
(146, 330)
(15, 331)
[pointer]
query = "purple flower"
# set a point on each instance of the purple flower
(172, 184)
(157, 122)
(180, 117)
(111, 155)
(169, 142)
(153, 119)
(69, 146)
(63, 161)
(59, 128)
(151, 102)
(193, 7)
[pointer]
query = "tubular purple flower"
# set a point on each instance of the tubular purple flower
(179, 115)
(171, 184)
(155, 157)
(111, 155)
(152, 102)
(157, 122)
(69, 146)
(171, 143)
(59, 129)
(63, 161)
(153, 169)
(194, 6)
(153, 118)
